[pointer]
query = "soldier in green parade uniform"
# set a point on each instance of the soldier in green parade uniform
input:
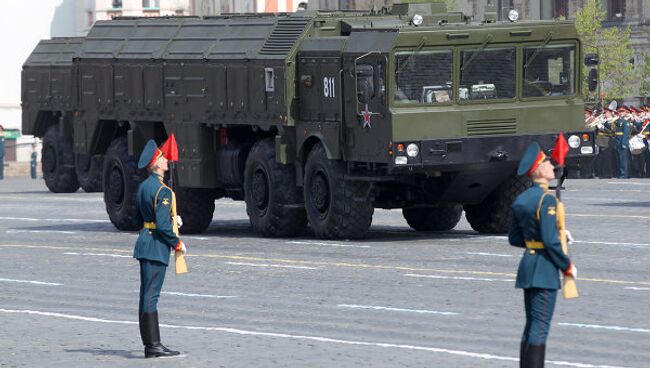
(153, 246)
(621, 142)
(637, 164)
(605, 160)
(2, 153)
(534, 226)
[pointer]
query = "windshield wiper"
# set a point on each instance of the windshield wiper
(476, 52)
(537, 50)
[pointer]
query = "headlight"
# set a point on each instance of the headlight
(401, 160)
(417, 19)
(574, 141)
(412, 150)
(513, 15)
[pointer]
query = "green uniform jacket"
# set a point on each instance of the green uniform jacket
(538, 268)
(622, 131)
(155, 244)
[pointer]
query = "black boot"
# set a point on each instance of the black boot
(150, 333)
(535, 356)
(522, 354)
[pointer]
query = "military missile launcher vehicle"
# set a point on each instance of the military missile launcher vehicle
(311, 117)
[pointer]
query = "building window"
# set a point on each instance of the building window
(117, 4)
(553, 9)
(151, 4)
(615, 10)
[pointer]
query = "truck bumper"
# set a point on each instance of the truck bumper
(471, 168)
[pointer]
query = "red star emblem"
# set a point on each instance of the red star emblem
(366, 117)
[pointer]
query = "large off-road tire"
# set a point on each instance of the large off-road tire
(494, 214)
(89, 170)
(57, 159)
(273, 201)
(441, 217)
(336, 208)
(196, 207)
(120, 184)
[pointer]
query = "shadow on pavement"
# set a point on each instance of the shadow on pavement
(128, 354)
(243, 229)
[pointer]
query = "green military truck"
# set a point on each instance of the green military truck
(311, 117)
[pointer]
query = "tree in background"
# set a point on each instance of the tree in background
(644, 88)
(614, 48)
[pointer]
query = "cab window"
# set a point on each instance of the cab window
(549, 70)
(423, 77)
(487, 74)
(365, 83)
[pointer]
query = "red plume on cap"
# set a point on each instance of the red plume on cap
(170, 148)
(560, 150)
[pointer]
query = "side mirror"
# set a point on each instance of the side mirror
(592, 80)
(592, 60)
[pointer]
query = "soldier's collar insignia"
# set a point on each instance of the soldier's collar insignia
(166, 201)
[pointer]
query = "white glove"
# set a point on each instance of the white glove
(573, 271)
(569, 237)
(183, 249)
(179, 221)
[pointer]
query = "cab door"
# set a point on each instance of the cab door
(367, 125)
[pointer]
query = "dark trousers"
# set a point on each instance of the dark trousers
(604, 162)
(152, 276)
(32, 169)
(623, 153)
(2, 167)
(540, 304)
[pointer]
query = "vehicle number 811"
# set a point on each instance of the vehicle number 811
(328, 87)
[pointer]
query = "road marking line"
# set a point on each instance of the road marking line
(43, 198)
(33, 219)
(627, 183)
(456, 277)
(229, 330)
(601, 327)
(269, 265)
(490, 254)
(608, 216)
(631, 245)
(16, 231)
(328, 244)
(32, 282)
(98, 255)
(636, 288)
(196, 237)
(423, 311)
(198, 295)
(325, 264)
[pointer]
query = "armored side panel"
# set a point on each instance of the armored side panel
(187, 75)
(47, 86)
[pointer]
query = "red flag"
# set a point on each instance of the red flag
(560, 150)
(170, 148)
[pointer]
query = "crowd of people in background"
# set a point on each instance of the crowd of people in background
(621, 140)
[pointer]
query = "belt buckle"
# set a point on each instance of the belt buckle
(531, 251)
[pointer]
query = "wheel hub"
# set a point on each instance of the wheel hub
(319, 193)
(260, 189)
(116, 186)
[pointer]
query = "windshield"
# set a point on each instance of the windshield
(487, 74)
(423, 77)
(549, 70)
